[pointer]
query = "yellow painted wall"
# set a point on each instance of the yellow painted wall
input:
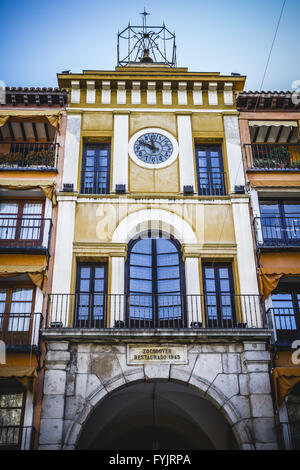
(212, 223)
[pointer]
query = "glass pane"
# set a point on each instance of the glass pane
(291, 209)
(32, 209)
(165, 246)
(168, 286)
(84, 285)
(167, 260)
(168, 273)
(99, 285)
(30, 228)
(140, 286)
(99, 272)
(85, 272)
(143, 246)
(140, 260)
(140, 273)
(8, 224)
(269, 209)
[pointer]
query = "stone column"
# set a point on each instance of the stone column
(257, 381)
(71, 156)
(186, 150)
(249, 304)
(234, 153)
(63, 257)
(117, 301)
(120, 152)
(53, 407)
(194, 307)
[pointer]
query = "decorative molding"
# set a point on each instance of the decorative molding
(90, 92)
(121, 93)
(105, 93)
(151, 93)
(212, 93)
(182, 93)
(228, 94)
(75, 91)
(201, 250)
(100, 249)
(197, 94)
(167, 93)
(136, 93)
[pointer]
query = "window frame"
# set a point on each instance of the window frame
(106, 146)
(282, 333)
(16, 390)
(140, 323)
(219, 322)
(34, 242)
(15, 337)
(90, 321)
(282, 217)
(211, 191)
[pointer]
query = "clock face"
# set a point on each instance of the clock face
(153, 148)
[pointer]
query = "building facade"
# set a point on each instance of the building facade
(269, 125)
(156, 333)
(32, 127)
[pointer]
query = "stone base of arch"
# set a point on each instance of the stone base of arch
(233, 377)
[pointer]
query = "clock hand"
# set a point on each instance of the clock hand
(148, 145)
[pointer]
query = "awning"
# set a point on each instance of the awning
(25, 375)
(12, 265)
(265, 179)
(54, 117)
(273, 267)
(285, 378)
(273, 123)
(48, 187)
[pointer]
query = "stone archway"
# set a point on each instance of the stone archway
(220, 414)
(156, 415)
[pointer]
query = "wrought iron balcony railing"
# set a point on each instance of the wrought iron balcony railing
(28, 155)
(20, 330)
(285, 325)
(17, 437)
(272, 156)
(135, 311)
(94, 182)
(277, 231)
(212, 183)
(27, 233)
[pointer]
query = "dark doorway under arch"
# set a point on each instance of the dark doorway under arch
(156, 415)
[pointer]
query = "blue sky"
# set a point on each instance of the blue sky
(40, 38)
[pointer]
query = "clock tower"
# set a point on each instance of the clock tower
(154, 321)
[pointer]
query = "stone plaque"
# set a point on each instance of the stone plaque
(145, 353)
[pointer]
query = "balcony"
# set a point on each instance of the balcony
(28, 156)
(277, 232)
(20, 331)
(192, 315)
(212, 183)
(285, 325)
(272, 157)
(95, 182)
(25, 234)
(17, 437)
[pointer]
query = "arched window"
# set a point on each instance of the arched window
(155, 283)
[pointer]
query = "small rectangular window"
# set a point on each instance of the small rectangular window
(210, 170)
(95, 174)
(21, 220)
(91, 295)
(219, 296)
